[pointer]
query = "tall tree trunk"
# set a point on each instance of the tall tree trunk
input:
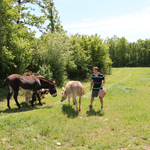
(19, 4)
(52, 18)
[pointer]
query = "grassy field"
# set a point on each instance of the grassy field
(124, 124)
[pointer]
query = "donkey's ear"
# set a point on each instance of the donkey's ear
(54, 81)
(63, 88)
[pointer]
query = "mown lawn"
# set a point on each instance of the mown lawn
(124, 124)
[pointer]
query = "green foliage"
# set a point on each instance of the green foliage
(15, 43)
(51, 14)
(45, 71)
(124, 54)
(27, 15)
(85, 53)
(54, 49)
(121, 49)
(69, 56)
(56, 55)
(78, 61)
(100, 54)
(21, 48)
(7, 15)
(6, 61)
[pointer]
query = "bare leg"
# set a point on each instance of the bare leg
(92, 99)
(101, 101)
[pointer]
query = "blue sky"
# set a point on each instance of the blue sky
(123, 18)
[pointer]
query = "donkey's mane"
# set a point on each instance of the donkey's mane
(44, 79)
(40, 77)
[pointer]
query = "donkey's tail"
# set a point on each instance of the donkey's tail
(5, 80)
(83, 92)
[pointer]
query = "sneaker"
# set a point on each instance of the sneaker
(102, 108)
(90, 106)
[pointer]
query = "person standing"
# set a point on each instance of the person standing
(98, 80)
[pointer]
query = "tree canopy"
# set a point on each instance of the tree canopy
(56, 55)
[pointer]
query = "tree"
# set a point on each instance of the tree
(7, 15)
(86, 52)
(112, 50)
(15, 41)
(100, 54)
(26, 13)
(147, 52)
(54, 24)
(78, 60)
(122, 52)
(53, 49)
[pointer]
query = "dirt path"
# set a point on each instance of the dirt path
(119, 81)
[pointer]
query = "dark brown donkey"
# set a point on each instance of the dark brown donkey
(32, 83)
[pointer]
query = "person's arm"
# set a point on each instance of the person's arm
(104, 81)
(91, 85)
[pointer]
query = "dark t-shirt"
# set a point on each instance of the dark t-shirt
(97, 81)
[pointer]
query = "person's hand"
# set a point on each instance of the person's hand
(90, 88)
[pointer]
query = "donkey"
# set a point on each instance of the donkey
(32, 83)
(73, 89)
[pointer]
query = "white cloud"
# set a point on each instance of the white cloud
(137, 23)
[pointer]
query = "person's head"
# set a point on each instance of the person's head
(95, 69)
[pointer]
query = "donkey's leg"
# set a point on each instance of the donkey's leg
(69, 100)
(74, 100)
(76, 105)
(27, 100)
(9, 96)
(33, 98)
(37, 93)
(79, 103)
(15, 97)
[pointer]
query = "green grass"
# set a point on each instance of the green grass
(124, 124)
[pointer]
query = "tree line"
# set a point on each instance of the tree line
(56, 55)
(125, 54)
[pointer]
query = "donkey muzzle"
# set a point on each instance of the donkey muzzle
(54, 95)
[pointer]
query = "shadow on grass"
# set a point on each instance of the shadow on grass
(2, 98)
(24, 107)
(69, 111)
(92, 112)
